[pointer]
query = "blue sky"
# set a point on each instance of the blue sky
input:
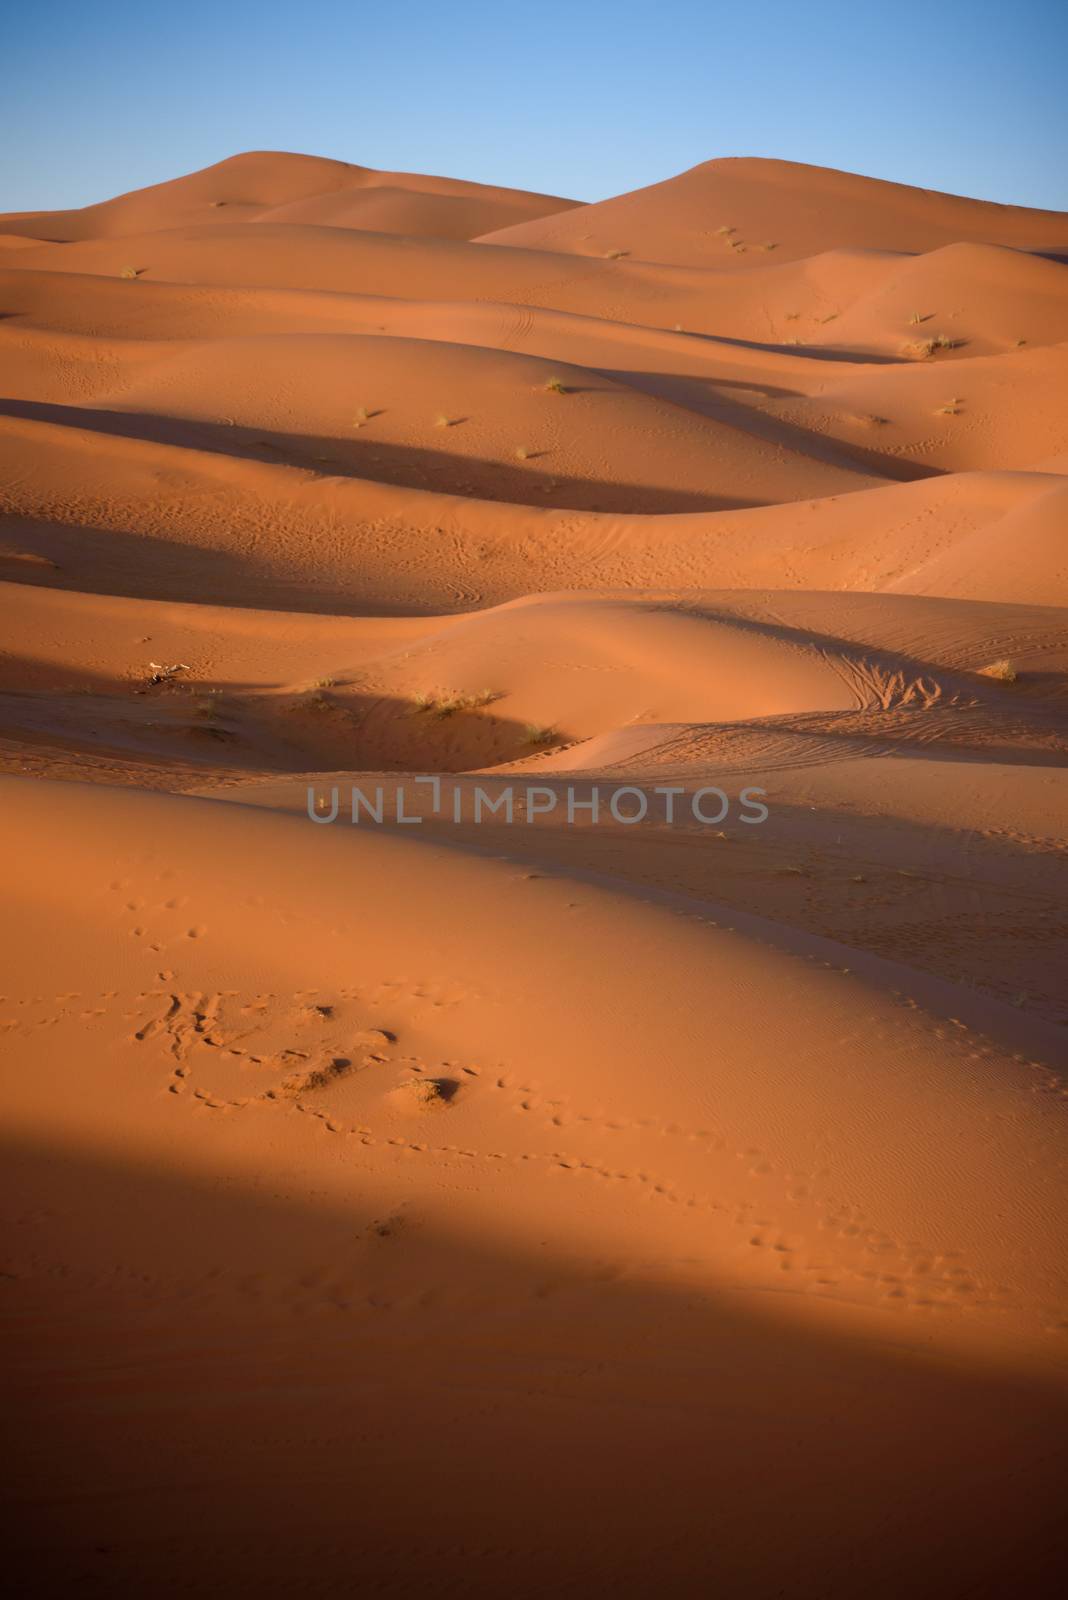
(582, 99)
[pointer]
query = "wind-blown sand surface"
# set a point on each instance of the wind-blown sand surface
(487, 1208)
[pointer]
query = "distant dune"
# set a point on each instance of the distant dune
(275, 185)
(723, 213)
(581, 1197)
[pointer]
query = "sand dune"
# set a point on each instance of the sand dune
(535, 1203)
(84, 511)
(506, 427)
(732, 213)
(453, 1118)
(958, 420)
(266, 183)
(395, 208)
(983, 298)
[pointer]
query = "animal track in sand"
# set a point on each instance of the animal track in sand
(300, 1053)
(247, 1049)
(924, 1282)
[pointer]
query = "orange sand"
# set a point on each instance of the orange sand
(524, 1209)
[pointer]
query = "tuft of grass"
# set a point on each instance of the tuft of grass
(363, 414)
(727, 229)
(534, 733)
(792, 316)
(918, 349)
(614, 255)
(830, 316)
(315, 696)
(950, 409)
(556, 386)
(445, 705)
(924, 349)
(1004, 671)
(916, 318)
(428, 1091)
(1020, 343)
(131, 272)
(769, 245)
(442, 421)
(522, 453)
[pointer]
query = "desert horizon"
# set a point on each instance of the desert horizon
(533, 753)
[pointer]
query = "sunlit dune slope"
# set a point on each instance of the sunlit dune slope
(469, 420)
(188, 866)
(83, 510)
(260, 182)
(736, 211)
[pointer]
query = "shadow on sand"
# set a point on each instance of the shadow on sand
(214, 1389)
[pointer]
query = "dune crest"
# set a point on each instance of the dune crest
(750, 207)
(276, 184)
